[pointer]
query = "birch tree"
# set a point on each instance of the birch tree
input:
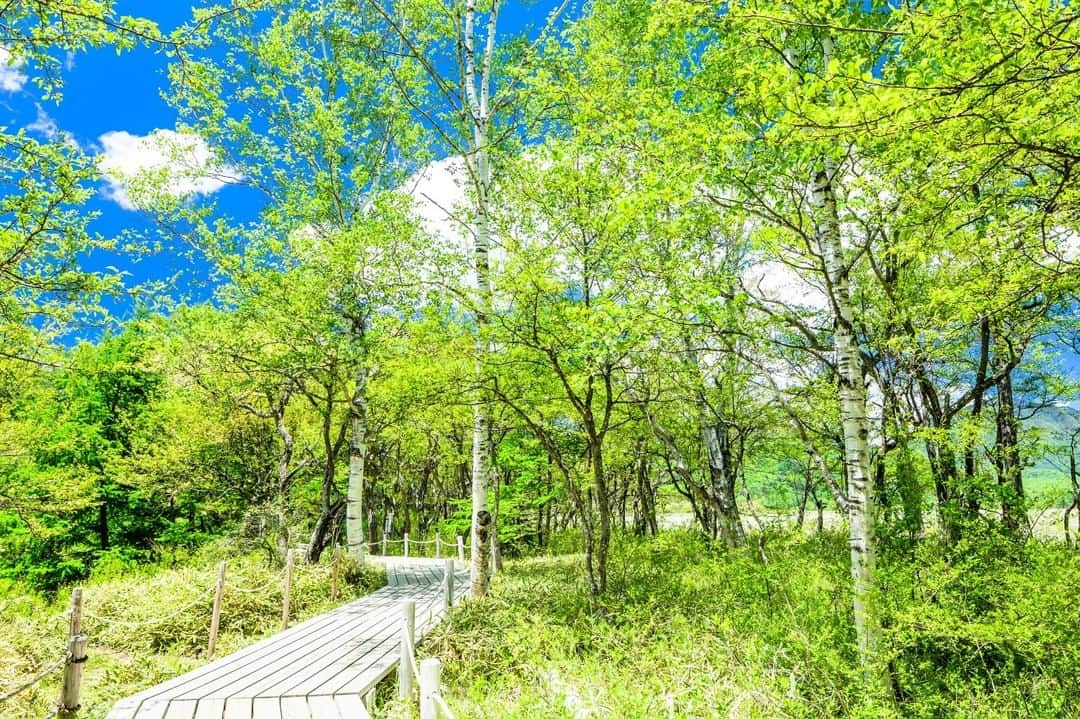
(463, 105)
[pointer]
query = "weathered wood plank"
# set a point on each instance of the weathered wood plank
(350, 651)
(181, 710)
(153, 710)
(238, 708)
(295, 708)
(210, 709)
(266, 708)
(347, 648)
(350, 707)
(324, 708)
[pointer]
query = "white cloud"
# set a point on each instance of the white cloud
(12, 78)
(441, 201)
(69, 61)
(44, 125)
(774, 281)
(175, 164)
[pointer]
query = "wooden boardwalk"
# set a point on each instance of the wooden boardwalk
(319, 669)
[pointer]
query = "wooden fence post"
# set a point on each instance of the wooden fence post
(448, 584)
(73, 669)
(405, 543)
(408, 636)
(384, 543)
(335, 570)
(286, 591)
(430, 669)
(215, 614)
(461, 549)
(73, 672)
(438, 546)
(75, 613)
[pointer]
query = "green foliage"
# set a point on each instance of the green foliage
(688, 630)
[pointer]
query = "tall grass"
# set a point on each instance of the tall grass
(692, 630)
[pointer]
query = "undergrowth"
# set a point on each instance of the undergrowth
(148, 625)
(692, 630)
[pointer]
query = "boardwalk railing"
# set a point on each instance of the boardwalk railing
(427, 675)
(408, 546)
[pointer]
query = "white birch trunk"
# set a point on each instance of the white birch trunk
(856, 426)
(354, 500)
(477, 92)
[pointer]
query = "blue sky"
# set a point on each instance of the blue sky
(111, 100)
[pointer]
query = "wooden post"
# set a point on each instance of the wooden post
(448, 584)
(73, 671)
(438, 546)
(286, 591)
(215, 614)
(335, 570)
(461, 549)
(405, 544)
(75, 613)
(384, 543)
(430, 669)
(408, 636)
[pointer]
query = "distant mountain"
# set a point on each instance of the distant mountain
(1054, 425)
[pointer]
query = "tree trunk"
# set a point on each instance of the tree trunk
(604, 510)
(856, 426)
(477, 90)
(496, 550)
(722, 484)
(1007, 452)
(354, 510)
(324, 530)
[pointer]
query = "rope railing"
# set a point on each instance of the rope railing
(112, 621)
(437, 698)
(36, 679)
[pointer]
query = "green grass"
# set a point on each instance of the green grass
(149, 625)
(689, 630)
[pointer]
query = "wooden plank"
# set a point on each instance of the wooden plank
(241, 658)
(210, 709)
(295, 708)
(266, 708)
(181, 710)
(347, 648)
(317, 669)
(282, 672)
(348, 653)
(124, 709)
(353, 681)
(350, 707)
(273, 655)
(238, 708)
(153, 710)
(324, 708)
